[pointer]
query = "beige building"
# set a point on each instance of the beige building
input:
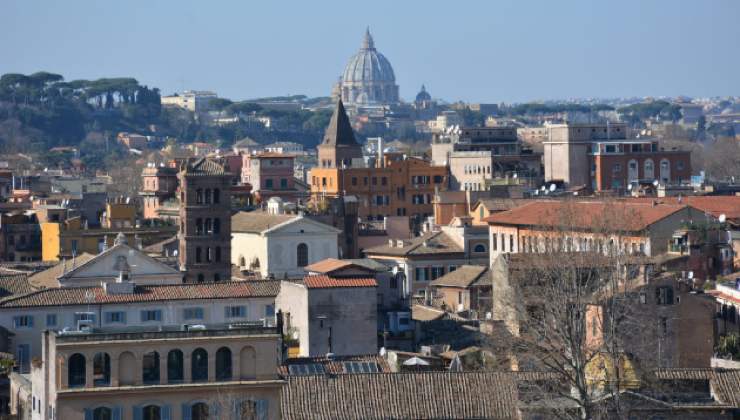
(331, 314)
(193, 100)
(196, 372)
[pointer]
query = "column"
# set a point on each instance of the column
(187, 367)
(163, 368)
(211, 366)
(235, 366)
(114, 371)
(89, 371)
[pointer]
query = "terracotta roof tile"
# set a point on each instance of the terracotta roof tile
(428, 244)
(617, 215)
(325, 282)
(463, 276)
(14, 284)
(421, 395)
(257, 221)
(79, 295)
(335, 365)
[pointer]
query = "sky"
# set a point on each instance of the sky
(486, 51)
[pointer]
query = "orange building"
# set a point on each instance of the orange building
(393, 185)
(399, 187)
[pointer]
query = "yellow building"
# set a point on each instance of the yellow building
(66, 238)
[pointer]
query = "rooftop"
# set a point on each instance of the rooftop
(464, 276)
(97, 295)
(326, 282)
(422, 395)
(430, 243)
(588, 215)
(257, 221)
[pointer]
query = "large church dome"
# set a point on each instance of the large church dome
(368, 77)
(368, 64)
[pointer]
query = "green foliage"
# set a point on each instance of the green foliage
(654, 109)
(729, 346)
(541, 109)
(243, 108)
(218, 104)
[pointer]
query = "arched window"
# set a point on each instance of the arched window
(174, 366)
(201, 278)
(216, 226)
(649, 169)
(197, 255)
(665, 170)
(199, 365)
(199, 411)
(242, 261)
(101, 369)
(302, 255)
(150, 368)
(76, 370)
(102, 413)
(216, 196)
(199, 196)
(151, 412)
(218, 254)
(479, 248)
(223, 364)
(208, 196)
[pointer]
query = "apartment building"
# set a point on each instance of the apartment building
(479, 157)
(185, 372)
(601, 157)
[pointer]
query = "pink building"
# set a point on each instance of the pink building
(271, 175)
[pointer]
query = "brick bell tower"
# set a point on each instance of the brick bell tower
(205, 222)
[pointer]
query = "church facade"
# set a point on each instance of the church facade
(368, 78)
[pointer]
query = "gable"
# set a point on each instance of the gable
(303, 225)
(105, 265)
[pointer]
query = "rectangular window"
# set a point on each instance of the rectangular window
(437, 272)
(268, 183)
(151, 315)
(354, 180)
(192, 313)
(384, 181)
(283, 183)
(51, 320)
(23, 321)
(269, 310)
(117, 317)
(664, 295)
(375, 180)
(452, 268)
(364, 181)
(495, 242)
(511, 243)
(235, 311)
(420, 274)
(23, 355)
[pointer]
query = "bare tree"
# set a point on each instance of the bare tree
(563, 300)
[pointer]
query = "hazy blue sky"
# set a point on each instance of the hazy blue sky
(487, 51)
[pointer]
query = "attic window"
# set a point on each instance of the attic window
(361, 367)
(306, 369)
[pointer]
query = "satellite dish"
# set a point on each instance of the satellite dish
(722, 218)
(552, 187)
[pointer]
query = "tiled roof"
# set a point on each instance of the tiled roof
(326, 282)
(500, 204)
(729, 205)
(463, 276)
(726, 386)
(257, 221)
(335, 365)
(204, 167)
(332, 264)
(587, 215)
(14, 284)
(425, 313)
(79, 295)
(158, 248)
(422, 395)
(246, 141)
(48, 277)
(436, 243)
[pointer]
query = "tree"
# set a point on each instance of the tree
(722, 159)
(562, 298)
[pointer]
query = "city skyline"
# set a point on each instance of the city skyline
(502, 52)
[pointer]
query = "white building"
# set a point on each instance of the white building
(126, 304)
(280, 244)
(285, 147)
(106, 267)
(193, 100)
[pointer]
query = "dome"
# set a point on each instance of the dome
(423, 95)
(368, 65)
